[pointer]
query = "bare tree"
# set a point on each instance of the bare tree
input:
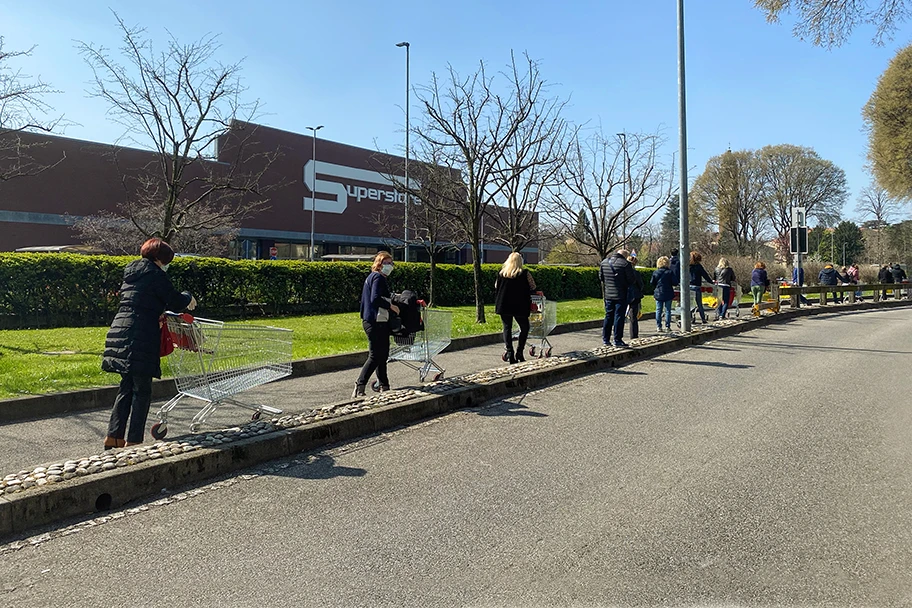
(796, 176)
(829, 23)
(22, 108)
(467, 128)
(733, 186)
(529, 169)
(608, 182)
(186, 105)
(874, 202)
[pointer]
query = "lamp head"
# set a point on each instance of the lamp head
(403, 44)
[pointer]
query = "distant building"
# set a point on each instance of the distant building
(351, 192)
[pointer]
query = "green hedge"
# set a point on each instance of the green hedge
(41, 290)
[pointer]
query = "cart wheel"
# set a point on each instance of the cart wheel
(375, 386)
(256, 415)
(159, 430)
(547, 352)
(505, 357)
(438, 376)
(195, 427)
(531, 351)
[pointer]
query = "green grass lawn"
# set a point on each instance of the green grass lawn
(36, 361)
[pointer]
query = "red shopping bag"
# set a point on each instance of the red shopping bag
(166, 345)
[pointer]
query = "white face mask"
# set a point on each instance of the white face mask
(165, 266)
(386, 269)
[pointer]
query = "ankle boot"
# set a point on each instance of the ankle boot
(358, 392)
(113, 442)
(520, 357)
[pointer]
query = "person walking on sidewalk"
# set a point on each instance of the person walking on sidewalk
(759, 282)
(375, 315)
(698, 274)
(829, 276)
(617, 276)
(133, 343)
(725, 279)
(513, 287)
(884, 276)
(663, 291)
(854, 278)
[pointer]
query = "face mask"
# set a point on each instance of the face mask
(165, 266)
(386, 269)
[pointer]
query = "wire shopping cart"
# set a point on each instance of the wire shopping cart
(542, 321)
(213, 362)
(418, 350)
(676, 311)
(734, 298)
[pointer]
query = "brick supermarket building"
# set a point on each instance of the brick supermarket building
(350, 195)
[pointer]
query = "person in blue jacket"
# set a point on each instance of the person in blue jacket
(698, 274)
(663, 291)
(375, 315)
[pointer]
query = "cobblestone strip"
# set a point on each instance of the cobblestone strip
(65, 470)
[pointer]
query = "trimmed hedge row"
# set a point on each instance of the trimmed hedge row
(70, 289)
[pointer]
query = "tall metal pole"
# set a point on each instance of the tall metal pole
(623, 136)
(407, 184)
(313, 189)
(682, 221)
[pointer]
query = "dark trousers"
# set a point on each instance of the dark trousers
(378, 351)
(634, 311)
(133, 401)
(614, 318)
(523, 323)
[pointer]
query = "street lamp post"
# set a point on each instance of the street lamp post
(623, 138)
(313, 189)
(684, 238)
(407, 184)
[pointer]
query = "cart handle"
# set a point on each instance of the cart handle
(422, 303)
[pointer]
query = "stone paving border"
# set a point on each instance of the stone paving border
(56, 404)
(78, 487)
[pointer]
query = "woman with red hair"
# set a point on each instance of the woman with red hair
(133, 342)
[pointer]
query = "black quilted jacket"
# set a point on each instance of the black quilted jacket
(133, 342)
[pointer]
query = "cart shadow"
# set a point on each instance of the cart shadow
(708, 363)
(319, 466)
(509, 407)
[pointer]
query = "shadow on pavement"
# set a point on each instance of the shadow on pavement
(510, 407)
(708, 363)
(823, 348)
(320, 466)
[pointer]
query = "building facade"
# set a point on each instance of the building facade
(346, 190)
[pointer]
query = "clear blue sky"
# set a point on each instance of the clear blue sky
(334, 63)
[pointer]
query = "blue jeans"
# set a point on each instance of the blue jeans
(614, 317)
(698, 301)
(723, 305)
(667, 306)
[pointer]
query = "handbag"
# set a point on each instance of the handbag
(166, 344)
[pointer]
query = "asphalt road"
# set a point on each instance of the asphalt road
(773, 468)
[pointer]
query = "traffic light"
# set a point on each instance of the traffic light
(799, 240)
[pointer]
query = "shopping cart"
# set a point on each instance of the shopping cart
(676, 311)
(542, 321)
(213, 362)
(418, 350)
(734, 298)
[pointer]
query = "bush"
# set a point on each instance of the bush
(41, 290)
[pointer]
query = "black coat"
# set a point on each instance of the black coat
(616, 275)
(885, 275)
(828, 276)
(133, 342)
(513, 296)
(662, 284)
(675, 267)
(899, 275)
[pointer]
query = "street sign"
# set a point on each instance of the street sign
(799, 216)
(798, 243)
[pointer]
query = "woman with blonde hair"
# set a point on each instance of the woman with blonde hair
(375, 308)
(663, 291)
(513, 287)
(725, 279)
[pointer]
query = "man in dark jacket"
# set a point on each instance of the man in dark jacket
(884, 276)
(616, 275)
(899, 276)
(829, 276)
(674, 263)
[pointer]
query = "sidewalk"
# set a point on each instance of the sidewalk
(23, 444)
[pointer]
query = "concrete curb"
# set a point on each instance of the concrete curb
(84, 495)
(56, 404)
